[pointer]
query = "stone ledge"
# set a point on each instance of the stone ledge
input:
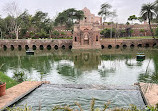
(150, 92)
(19, 91)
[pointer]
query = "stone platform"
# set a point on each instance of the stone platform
(17, 92)
(150, 92)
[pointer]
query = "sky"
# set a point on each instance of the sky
(124, 8)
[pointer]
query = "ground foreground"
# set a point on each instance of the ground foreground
(17, 92)
(150, 92)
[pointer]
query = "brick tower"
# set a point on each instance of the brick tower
(86, 33)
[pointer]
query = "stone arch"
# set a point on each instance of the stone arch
(49, 47)
(56, 47)
(124, 46)
(34, 47)
(154, 44)
(75, 39)
(41, 47)
(12, 47)
(132, 46)
(109, 46)
(19, 47)
(139, 45)
(147, 45)
(96, 38)
(70, 47)
(4, 47)
(102, 46)
(63, 46)
(117, 47)
(26, 47)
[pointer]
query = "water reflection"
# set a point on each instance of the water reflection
(83, 67)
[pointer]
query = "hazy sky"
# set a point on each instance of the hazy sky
(124, 8)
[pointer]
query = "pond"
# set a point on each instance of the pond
(81, 71)
(83, 67)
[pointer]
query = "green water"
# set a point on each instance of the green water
(83, 67)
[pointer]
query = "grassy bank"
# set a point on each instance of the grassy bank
(140, 37)
(9, 82)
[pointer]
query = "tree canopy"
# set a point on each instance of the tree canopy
(69, 17)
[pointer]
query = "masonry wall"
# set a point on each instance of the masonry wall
(38, 44)
(67, 44)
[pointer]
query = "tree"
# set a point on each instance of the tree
(104, 11)
(142, 31)
(13, 11)
(133, 17)
(148, 13)
(156, 10)
(107, 32)
(69, 17)
(140, 19)
(156, 32)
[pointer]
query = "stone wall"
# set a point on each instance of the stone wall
(128, 43)
(67, 44)
(35, 44)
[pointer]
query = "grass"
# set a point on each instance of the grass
(92, 108)
(140, 37)
(9, 82)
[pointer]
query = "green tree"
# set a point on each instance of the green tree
(132, 18)
(105, 11)
(106, 33)
(69, 17)
(142, 31)
(56, 33)
(148, 13)
(41, 22)
(156, 32)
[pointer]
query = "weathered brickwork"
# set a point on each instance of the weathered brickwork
(68, 44)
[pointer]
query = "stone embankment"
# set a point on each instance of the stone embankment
(150, 92)
(18, 92)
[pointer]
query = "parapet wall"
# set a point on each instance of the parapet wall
(36, 44)
(117, 43)
(67, 44)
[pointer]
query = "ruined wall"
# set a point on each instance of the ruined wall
(67, 44)
(36, 44)
(128, 43)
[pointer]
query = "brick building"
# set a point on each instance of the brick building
(137, 29)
